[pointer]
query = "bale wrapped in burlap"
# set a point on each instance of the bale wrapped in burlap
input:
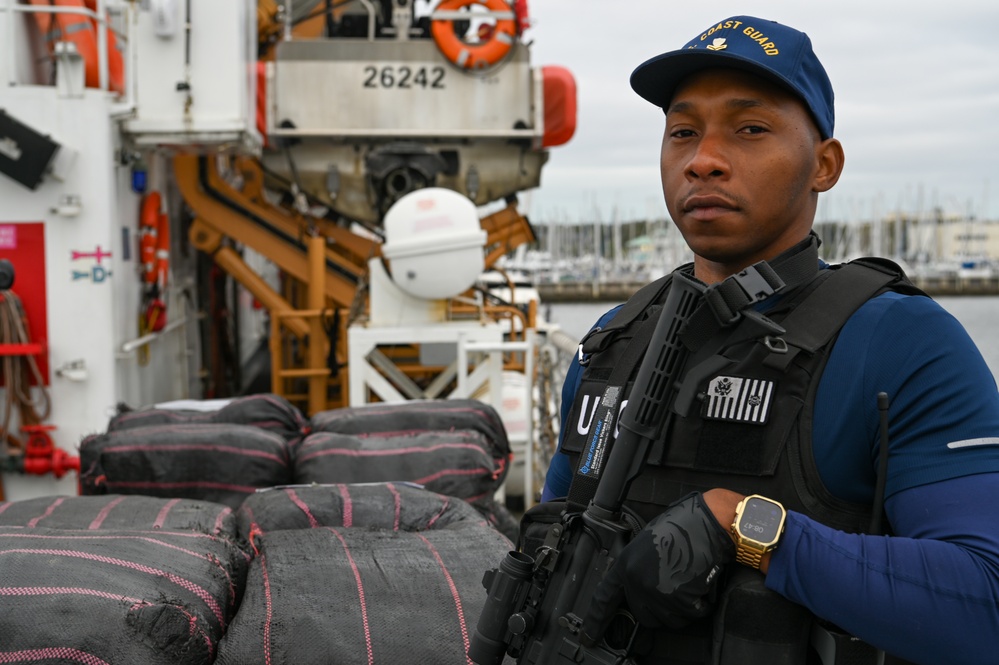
(119, 511)
(418, 416)
(213, 462)
(354, 595)
(265, 410)
(425, 422)
(389, 506)
(457, 462)
(112, 597)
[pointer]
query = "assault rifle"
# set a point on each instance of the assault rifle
(536, 604)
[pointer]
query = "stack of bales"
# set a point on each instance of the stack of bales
(249, 534)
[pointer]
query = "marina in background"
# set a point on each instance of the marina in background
(944, 254)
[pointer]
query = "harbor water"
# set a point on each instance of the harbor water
(978, 314)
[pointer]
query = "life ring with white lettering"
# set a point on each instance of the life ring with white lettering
(499, 39)
(82, 32)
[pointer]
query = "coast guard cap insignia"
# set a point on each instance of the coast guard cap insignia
(718, 44)
(739, 399)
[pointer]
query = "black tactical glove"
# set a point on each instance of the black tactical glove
(668, 574)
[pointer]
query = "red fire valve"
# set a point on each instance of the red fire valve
(156, 316)
(41, 456)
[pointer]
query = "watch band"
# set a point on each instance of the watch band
(749, 556)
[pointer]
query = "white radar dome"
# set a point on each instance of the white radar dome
(434, 243)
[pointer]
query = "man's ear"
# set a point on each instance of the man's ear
(830, 158)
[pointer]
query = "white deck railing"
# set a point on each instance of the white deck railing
(13, 8)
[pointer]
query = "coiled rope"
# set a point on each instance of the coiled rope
(18, 371)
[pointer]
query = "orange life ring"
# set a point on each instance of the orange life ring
(149, 225)
(469, 56)
(82, 31)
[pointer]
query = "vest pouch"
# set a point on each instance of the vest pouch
(834, 647)
(756, 625)
(536, 522)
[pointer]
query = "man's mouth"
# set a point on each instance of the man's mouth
(706, 201)
(707, 206)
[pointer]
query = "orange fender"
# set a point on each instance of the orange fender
(560, 105)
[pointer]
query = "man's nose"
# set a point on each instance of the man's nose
(708, 159)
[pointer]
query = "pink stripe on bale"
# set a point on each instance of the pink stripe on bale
(451, 472)
(348, 506)
(398, 506)
(454, 595)
(161, 517)
(200, 447)
(220, 519)
(59, 590)
(360, 595)
(368, 411)
(391, 451)
(199, 484)
(444, 506)
(392, 435)
(188, 417)
(313, 523)
(55, 504)
(56, 653)
(105, 511)
(269, 612)
(191, 535)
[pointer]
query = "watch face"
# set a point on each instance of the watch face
(761, 520)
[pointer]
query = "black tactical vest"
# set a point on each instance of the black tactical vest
(748, 425)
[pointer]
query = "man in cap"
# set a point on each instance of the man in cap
(763, 503)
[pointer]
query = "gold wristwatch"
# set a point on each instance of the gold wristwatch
(758, 524)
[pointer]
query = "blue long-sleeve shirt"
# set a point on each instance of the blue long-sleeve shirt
(930, 593)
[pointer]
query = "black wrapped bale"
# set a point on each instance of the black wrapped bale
(119, 511)
(361, 596)
(266, 411)
(389, 506)
(459, 463)
(419, 416)
(215, 462)
(116, 596)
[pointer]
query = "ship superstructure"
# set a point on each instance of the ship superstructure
(197, 199)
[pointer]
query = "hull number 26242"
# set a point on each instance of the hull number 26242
(404, 77)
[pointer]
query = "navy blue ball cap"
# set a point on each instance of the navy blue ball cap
(767, 48)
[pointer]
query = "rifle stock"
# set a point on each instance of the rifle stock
(535, 605)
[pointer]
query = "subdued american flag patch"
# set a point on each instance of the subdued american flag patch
(739, 399)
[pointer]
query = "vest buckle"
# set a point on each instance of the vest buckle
(775, 344)
(758, 282)
(584, 358)
(730, 297)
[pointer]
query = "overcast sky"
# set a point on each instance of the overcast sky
(917, 101)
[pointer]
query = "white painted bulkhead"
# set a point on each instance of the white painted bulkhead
(91, 274)
(89, 215)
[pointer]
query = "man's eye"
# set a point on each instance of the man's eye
(753, 129)
(682, 133)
